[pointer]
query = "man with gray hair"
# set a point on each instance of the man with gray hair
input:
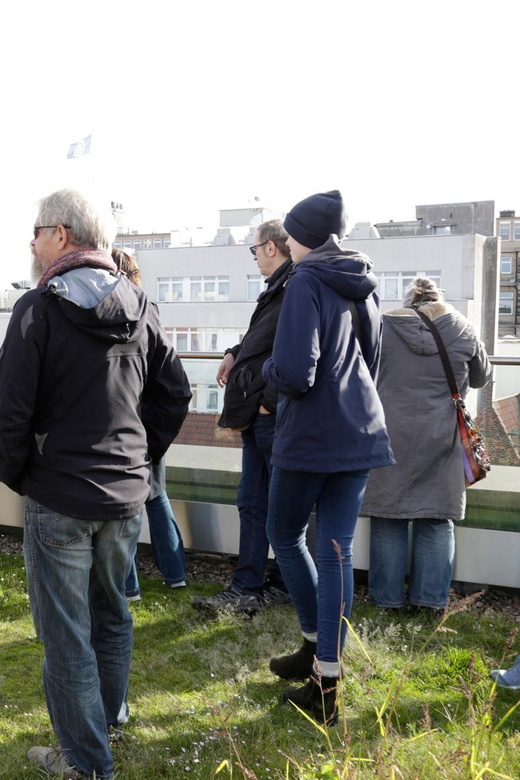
(250, 407)
(91, 392)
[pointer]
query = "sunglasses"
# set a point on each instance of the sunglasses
(253, 248)
(36, 228)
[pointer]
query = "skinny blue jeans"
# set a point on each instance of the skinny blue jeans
(167, 544)
(76, 571)
(252, 499)
(432, 562)
(322, 593)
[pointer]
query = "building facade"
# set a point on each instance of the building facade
(445, 219)
(508, 230)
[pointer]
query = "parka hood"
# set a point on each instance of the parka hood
(346, 271)
(412, 330)
(104, 304)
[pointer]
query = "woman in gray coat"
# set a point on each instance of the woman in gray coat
(426, 486)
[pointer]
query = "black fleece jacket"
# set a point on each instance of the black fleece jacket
(246, 390)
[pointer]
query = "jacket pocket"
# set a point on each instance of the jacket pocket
(243, 378)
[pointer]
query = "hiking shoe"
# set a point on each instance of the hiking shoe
(177, 584)
(135, 597)
(115, 735)
(53, 761)
(275, 597)
(508, 678)
(231, 599)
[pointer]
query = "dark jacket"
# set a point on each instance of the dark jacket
(428, 478)
(329, 416)
(90, 390)
(246, 389)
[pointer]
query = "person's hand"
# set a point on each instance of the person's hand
(263, 410)
(224, 369)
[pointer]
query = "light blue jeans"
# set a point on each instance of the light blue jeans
(76, 571)
(167, 544)
(322, 593)
(432, 562)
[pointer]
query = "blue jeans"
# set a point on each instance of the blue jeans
(167, 545)
(252, 499)
(433, 558)
(321, 592)
(76, 572)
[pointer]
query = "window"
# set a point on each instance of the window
(212, 398)
(194, 288)
(442, 230)
(209, 288)
(169, 289)
(128, 245)
(137, 245)
(406, 278)
(505, 231)
(389, 286)
(193, 339)
(118, 245)
(506, 265)
(167, 243)
(505, 303)
(180, 340)
(254, 287)
(157, 243)
(393, 284)
(206, 398)
(516, 232)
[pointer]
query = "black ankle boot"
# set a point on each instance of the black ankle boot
(318, 697)
(297, 666)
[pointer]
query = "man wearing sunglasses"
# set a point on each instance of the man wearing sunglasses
(91, 391)
(250, 406)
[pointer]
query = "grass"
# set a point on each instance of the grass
(418, 701)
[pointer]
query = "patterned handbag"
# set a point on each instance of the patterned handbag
(474, 456)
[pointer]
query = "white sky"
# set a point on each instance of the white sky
(202, 105)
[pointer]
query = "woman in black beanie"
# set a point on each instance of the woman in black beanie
(330, 432)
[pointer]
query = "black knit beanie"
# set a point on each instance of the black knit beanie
(312, 220)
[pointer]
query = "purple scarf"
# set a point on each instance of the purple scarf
(93, 258)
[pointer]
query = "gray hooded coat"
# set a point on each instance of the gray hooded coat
(428, 479)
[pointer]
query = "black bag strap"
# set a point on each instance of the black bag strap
(448, 370)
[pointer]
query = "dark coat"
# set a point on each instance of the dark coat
(90, 389)
(428, 478)
(329, 415)
(246, 389)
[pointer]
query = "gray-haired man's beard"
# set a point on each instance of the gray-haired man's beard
(37, 270)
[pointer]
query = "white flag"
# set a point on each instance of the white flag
(79, 148)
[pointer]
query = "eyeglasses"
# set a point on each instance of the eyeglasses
(42, 227)
(253, 248)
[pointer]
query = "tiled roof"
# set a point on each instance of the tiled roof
(202, 429)
(500, 428)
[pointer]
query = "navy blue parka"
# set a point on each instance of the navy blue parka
(329, 416)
